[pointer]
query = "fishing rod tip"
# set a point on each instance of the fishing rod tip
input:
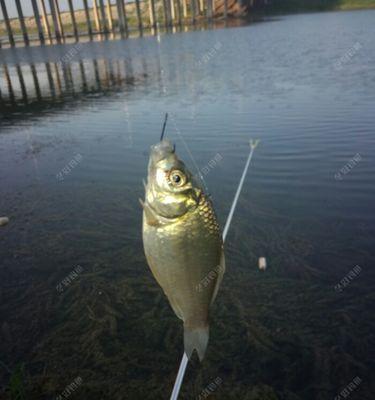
(254, 143)
(164, 125)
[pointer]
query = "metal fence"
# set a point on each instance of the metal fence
(49, 24)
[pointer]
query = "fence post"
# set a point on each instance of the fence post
(193, 10)
(110, 16)
(139, 16)
(165, 13)
(173, 13)
(7, 23)
(88, 20)
(22, 23)
(179, 16)
(201, 6)
(184, 8)
(125, 17)
(47, 28)
(58, 13)
(152, 13)
(73, 18)
(96, 16)
(102, 12)
(209, 9)
(55, 21)
(37, 21)
(120, 14)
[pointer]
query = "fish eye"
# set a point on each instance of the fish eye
(177, 178)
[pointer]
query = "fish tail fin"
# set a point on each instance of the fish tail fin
(196, 338)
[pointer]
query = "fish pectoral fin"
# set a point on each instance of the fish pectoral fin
(221, 270)
(149, 215)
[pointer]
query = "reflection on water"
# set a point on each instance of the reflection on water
(24, 85)
(77, 302)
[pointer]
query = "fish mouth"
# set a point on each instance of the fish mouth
(162, 150)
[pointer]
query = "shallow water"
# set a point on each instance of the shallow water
(74, 140)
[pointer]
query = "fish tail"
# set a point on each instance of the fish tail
(196, 338)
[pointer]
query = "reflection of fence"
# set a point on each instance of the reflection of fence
(98, 17)
(51, 82)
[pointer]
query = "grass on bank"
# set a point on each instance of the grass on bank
(356, 4)
(318, 5)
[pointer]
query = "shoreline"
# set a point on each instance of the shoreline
(306, 11)
(345, 5)
(267, 11)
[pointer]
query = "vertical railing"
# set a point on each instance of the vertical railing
(37, 21)
(209, 9)
(110, 16)
(175, 12)
(96, 15)
(7, 23)
(58, 14)
(73, 18)
(225, 8)
(122, 17)
(125, 17)
(184, 8)
(87, 16)
(179, 15)
(152, 13)
(139, 16)
(166, 17)
(47, 28)
(55, 20)
(103, 17)
(193, 11)
(22, 23)
(201, 7)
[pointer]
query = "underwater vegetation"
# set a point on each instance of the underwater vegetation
(274, 333)
(15, 389)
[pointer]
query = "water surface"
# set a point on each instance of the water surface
(74, 141)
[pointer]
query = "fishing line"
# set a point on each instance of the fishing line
(185, 359)
(191, 156)
(165, 91)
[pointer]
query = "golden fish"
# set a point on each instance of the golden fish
(182, 242)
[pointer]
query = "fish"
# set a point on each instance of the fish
(182, 242)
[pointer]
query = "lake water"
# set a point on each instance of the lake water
(78, 303)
